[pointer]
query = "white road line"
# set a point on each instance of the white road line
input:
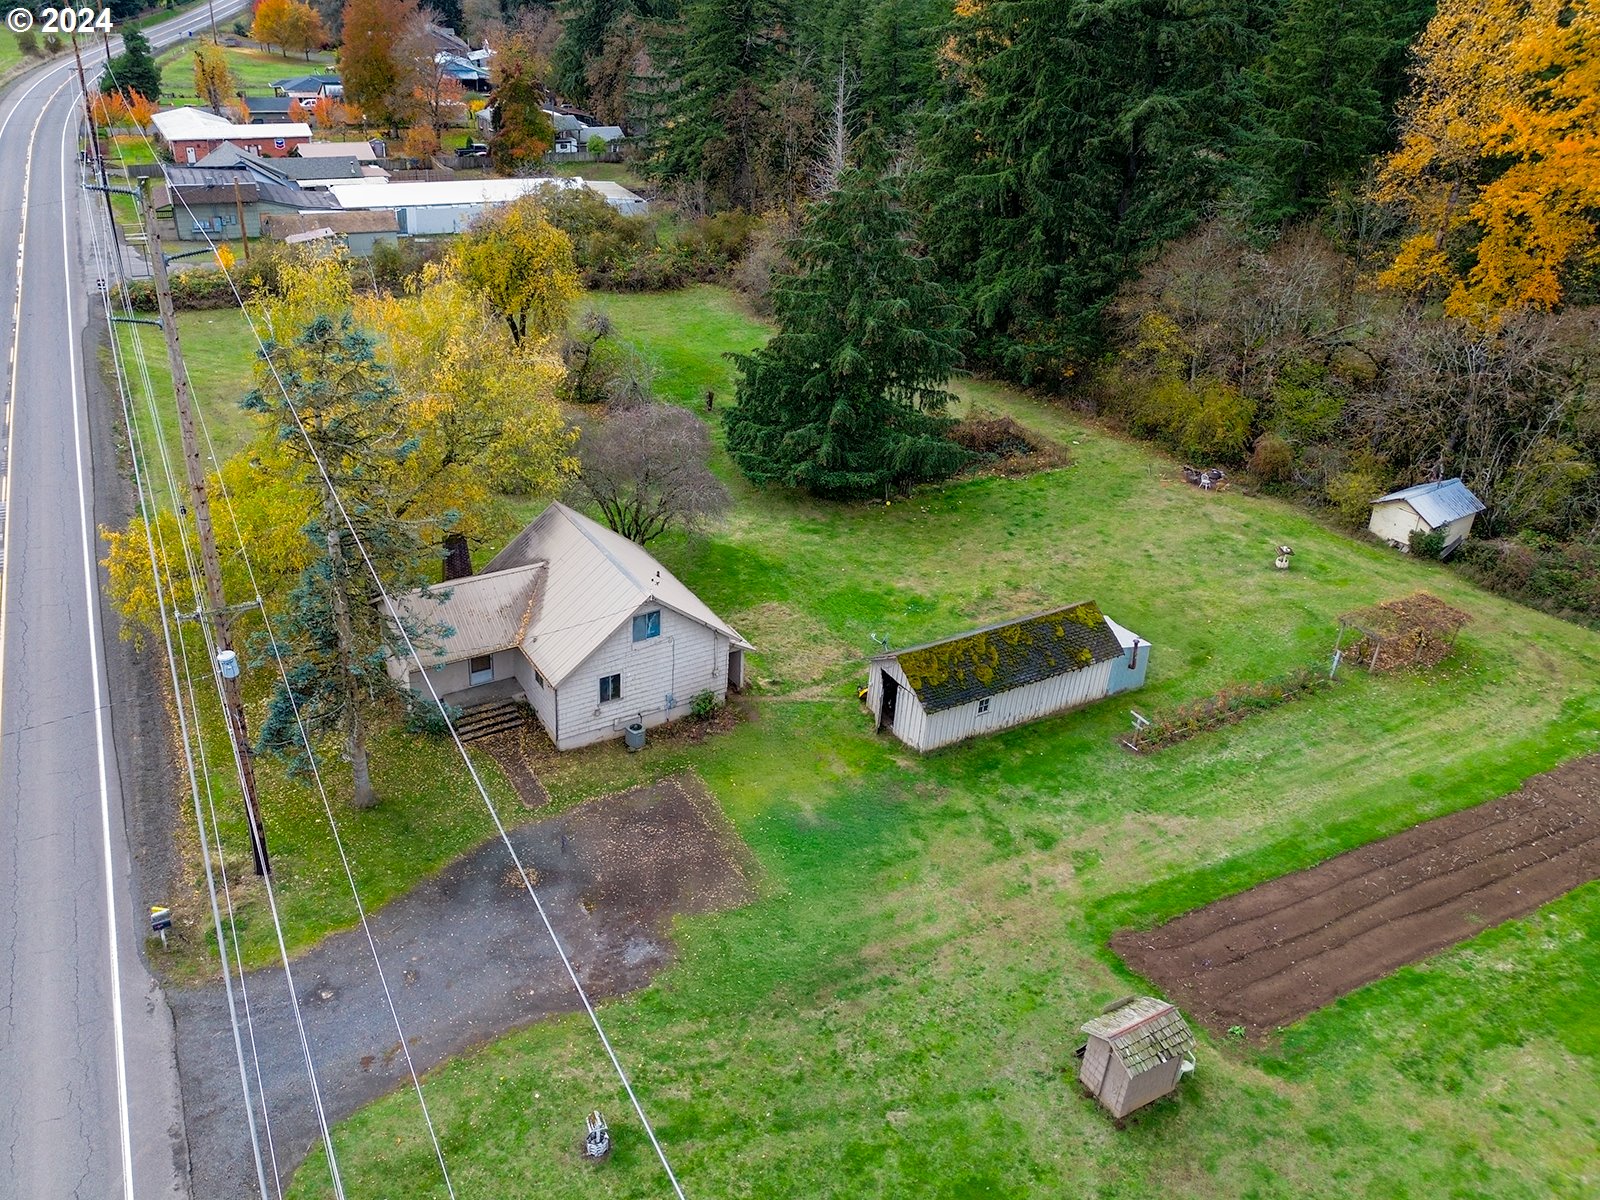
(86, 528)
(8, 408)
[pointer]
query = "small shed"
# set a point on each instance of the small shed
(1447, 506)
(1001, 675)
(1136, 1054)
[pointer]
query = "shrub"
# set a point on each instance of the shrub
(425, 717)
(1272, 460)
(28, 43)
(1207, 422)
(1427, 544)
(704, 706)
(53, 43)
(1352, 491)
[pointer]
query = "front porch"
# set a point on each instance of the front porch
(488, 708)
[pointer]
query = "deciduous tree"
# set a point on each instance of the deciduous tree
(645, 467)
(522, 265)
(214, 80)
(522, 131)
(378, 72)
(1498, 166)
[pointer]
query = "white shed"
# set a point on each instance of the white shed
(581, 623)
(1136, 1054)
(1002, 675)
(1447, 506)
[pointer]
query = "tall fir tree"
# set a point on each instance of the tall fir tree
(899, 68)
(1317, 109)
(1079, 137)
(713, 129)
(134, 70)
(338, 418)
(847, 398)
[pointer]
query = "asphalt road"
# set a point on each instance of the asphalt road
(89, 1097)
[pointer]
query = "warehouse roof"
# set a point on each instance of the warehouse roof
(423, 194)
(192, 125)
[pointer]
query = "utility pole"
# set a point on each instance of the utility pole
(94, 140)
(216, 610)
(238, 207)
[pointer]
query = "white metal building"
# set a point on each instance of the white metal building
(1448, 506)
(1003, 675)
(449, 206)
(583, 623)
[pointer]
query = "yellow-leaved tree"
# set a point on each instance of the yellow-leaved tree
(214, 80)
(523, 267)
(484, 412)
(1498, 167)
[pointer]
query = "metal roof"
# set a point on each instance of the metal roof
(287, 225)
(998, 658)
(192, 124)
(1437, 503)
(359, 150)
(423, 194)
(1143, 1033)
(480, 614)
(596, 579)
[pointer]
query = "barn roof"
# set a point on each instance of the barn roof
(1143, 1033)
(1012, 654)
(596, 580)
(1437, 503)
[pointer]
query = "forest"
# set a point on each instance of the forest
(1339, 247)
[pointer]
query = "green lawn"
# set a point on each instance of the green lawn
(896, 1016)
(254, 70)
(10, 52)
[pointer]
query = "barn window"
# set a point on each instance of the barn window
(646, 626)
(610, 688)
(983, 705)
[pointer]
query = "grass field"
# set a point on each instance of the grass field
(896, 1016)
(254, 70)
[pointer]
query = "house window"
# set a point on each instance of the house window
(480, 669)
(610, 688)
(983, 705)
(646, 626)
(539, 679)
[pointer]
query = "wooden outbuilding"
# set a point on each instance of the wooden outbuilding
(1136, 1054)
(1003, 675)
(1447, 506)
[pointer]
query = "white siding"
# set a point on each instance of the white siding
(923, 731)
(542, 696)
(1393, 522)
(686, 659)
(455, 677)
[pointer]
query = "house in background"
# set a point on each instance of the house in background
(1446, 507)
(358, 232)
(1136, 1054)
(1003, 675)
(192, 133)
(209, 203)
(581, 623)
(308, 89)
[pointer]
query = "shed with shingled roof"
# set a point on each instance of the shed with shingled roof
(1002, 675)
(1136, 1054)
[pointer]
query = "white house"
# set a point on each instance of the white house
(1003, 675)
(1447, 506)
(584, 624)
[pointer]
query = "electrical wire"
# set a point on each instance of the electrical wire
(411, 652)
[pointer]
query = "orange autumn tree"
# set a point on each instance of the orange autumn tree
(140, 110)
(1498, 167)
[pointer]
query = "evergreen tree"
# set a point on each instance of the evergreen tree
(1080, 137)
(846, 399)
(1317, 110)
(345, 434)
(134, 70)
(898, 69)
(713, 124)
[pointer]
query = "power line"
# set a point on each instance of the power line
(411, 652)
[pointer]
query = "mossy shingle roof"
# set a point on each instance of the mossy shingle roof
(1144, 1033)
(1002, 657)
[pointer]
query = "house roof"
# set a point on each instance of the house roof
(596, 580)
(287, 225)
(1437, 503)
(193, 125)
(997, 658)
(261, 106)
(1143, 1033)
(479, 614)
(281, 170)
(358, 150)
(306, 83)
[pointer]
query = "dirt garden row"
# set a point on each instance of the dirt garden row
(1271, 955)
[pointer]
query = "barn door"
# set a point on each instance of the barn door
(891, 693)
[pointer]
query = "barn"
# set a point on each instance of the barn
(1003, 675)
(1136, 1054)
(1447, 507)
